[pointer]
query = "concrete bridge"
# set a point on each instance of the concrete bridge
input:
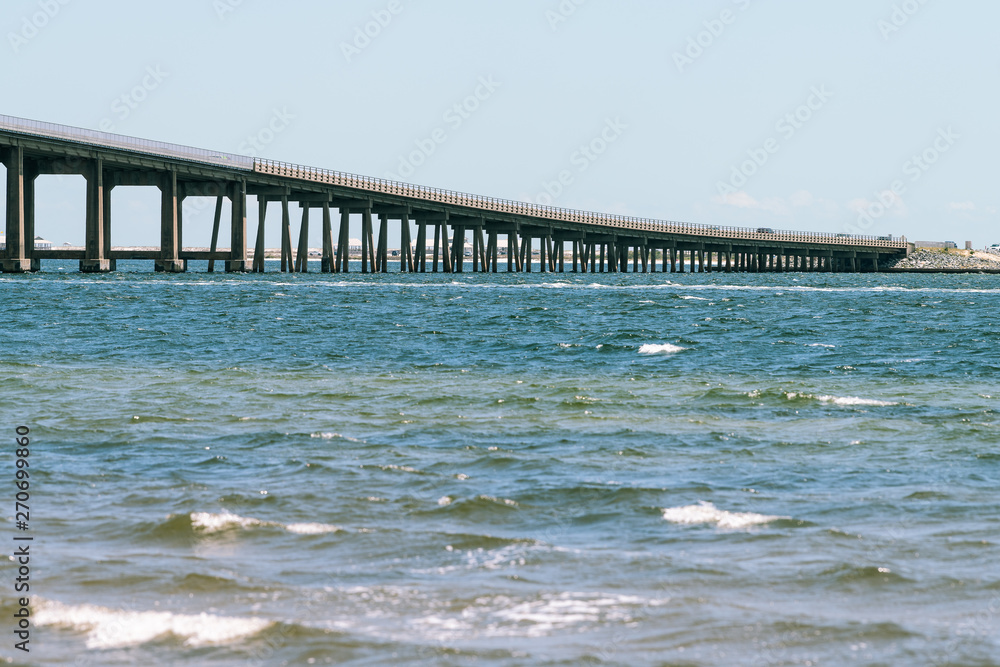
(598, 242)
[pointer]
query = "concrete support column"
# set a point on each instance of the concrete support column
(476, 251)
(30, 174)
(382, 254)
(344, 242)
(495, 251)
(170, 226)
(421, 247)
(302, 250)
(327, 262)
(95, 260)
(16, 258)
(286, 237)
(458, 249)
(406, 246)
(367, 245)
(258, 249)
(237, 262)
(446, 262)
(217, 222)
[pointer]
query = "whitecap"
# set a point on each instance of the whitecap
(206, 522)
(312, 528)
(854, 400)
(705, 512)
(112, 628)
(822, 345)
(214, 523)
(667, 348)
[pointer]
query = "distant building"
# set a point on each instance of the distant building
(40, 243)
(935, 244)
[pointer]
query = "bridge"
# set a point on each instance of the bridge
(503, 232)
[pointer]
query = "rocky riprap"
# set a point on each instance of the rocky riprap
(936, 259)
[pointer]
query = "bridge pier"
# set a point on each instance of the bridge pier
(171, 224)
(446, 264)
(327, 263)
(98, 220)
(382, 251)
(406, 260)
(476, 251)
(301, 264)
(20, 213)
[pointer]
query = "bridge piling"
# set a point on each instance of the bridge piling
(327, 262)
(383, 244)
(217, 222)
(302, 250)
(286, 236)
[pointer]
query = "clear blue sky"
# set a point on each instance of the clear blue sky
(833, 101)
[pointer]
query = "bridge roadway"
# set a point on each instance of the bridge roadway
(599, 242)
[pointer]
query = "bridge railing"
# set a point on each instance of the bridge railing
(477, 202)
(107, 140)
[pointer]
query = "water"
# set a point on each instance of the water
(506, 470)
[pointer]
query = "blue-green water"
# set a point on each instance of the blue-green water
(506, 470)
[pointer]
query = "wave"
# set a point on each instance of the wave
(118, 628)
(705, 512)
(855, 401)
(205, 522)
(507, 616)
(666, 348)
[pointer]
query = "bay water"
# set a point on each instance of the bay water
(510, 469)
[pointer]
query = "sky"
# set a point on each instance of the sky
(856, 116)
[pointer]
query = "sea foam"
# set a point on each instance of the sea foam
(111, 628)
(705, 512)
